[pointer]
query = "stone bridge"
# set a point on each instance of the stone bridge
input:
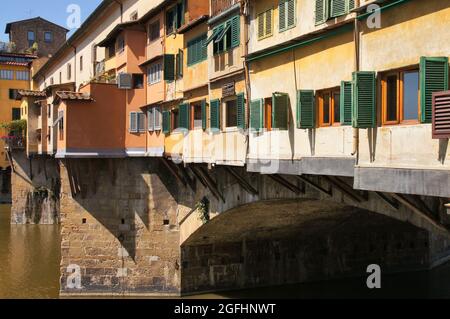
(151, 227)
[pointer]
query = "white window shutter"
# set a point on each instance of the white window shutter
(158, 118)
(151, 119)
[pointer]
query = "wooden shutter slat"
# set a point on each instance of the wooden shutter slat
(204, 115)
(441, 115)
(280, 112)
(322, 10)
(256, 115)
(338, 7)
(306, 109)
(364, 99)
(290, 19)
(215, 114)
(166, 122)
(169, 67)
(241, 111)
(184, 116)
(346, 103)
(433, 78)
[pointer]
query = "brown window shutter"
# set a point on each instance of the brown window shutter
(441, 115)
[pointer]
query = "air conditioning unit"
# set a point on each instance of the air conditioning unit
(125, 81)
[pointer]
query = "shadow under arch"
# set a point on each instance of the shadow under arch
(280, 242)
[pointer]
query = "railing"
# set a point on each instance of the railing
(219, 6)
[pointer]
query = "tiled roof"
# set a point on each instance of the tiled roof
(78, 96)
(30, 93)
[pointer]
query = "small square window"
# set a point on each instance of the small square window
(48, 36)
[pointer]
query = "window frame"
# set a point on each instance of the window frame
(28, 38)
(400, 74)
(193, 106)
(224, 113)
(152, 73)
(320, 103)
(287, 27)
(151, 30)
(45, 36)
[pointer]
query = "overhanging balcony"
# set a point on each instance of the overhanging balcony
(219, 6)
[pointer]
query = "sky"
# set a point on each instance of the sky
(52, 10)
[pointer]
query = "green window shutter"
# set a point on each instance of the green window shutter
(350, 5)
(166, 122)
(215, 114)
(256, 115)
(280, 111)
(241, 111)
(184, 116)
(291, 14)
(197, 50)
(346, 103)
(306, 109)
(169, 67)
(364, 97)
(235, 31)
(338, 8)
(204, 118)
(322, 10)
(282, 15)
(433, 78)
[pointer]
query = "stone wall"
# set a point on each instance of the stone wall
(119, 228)
(35, 187)
(321, 249)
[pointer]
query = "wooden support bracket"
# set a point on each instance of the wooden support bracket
(315, 186)
(390, 201)
(211, 184)
(242, 181)
(282, 181)
(346, 189)
(174, 170)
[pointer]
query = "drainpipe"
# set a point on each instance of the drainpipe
(245, 13)
(356, 36)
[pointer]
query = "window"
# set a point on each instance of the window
(69, 71)
(226, 36)
(154, 73)
(197, 51)
(13, 94)
(137, 122)
(179, 63)
(81, 63)
(31, 38)
(6, 75)
(175, 17)
(265, 24)
(197, 115)
(400, 97)
(154, 31)
(16, 114)
(120, 45)
(111, 50)
(231, 113)
(329, 107)
(287, 14)
(48, 36)
(154, 119)
(170, 20)
(52, 81)
(22, 75)
(141, 122)
(326, 9)
(138, 81)
(61, 124)
(175, 119)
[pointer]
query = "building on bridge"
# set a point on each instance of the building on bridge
(166, 110)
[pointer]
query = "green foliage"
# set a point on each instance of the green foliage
(203, 210)
(15, 126)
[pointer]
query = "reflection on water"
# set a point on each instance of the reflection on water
(29, 256)
(29, 268)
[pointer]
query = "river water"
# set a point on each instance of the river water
(29, 268)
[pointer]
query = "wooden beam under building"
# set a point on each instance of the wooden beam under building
(242, 181)
(284, 182)
(315, 186)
